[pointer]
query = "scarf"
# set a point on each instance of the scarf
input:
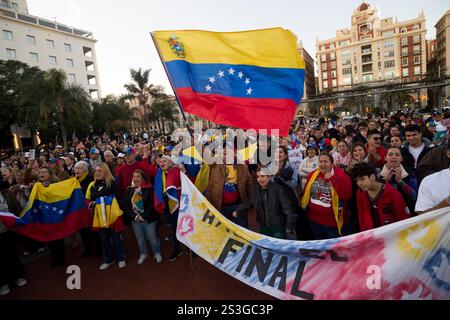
(336, 205)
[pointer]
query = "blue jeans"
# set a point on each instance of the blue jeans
(146, 231)
(321, 232)
(227, 211)
(112, 243)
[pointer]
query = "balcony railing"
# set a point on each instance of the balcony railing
(43, 22)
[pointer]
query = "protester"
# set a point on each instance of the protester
(434, 191)
(104, 186)
(309, 164)
(325, 198)
(144, 218)
(343, 156)
(275, 210)
(415, 148)
(375, 152)
(378, 204)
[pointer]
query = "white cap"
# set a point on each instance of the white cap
(120, 155)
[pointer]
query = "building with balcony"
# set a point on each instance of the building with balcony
(372, 50)
(443, 50)
(309, 88)
(48, 44)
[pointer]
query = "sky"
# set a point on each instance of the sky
(123, 28)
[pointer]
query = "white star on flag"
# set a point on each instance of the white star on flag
(61, 211)
(54, 209)
(208, 88)
(249, 91)
(46, 207)
(231, 71)
(247, 81)
(212, 79)
(240, 75)
(221, 74)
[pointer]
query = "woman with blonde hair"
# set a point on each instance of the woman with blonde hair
(102, 193)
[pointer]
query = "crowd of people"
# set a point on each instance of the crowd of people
(333, 177)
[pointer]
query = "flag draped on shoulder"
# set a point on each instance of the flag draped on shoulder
(249, 79)
(196, 168)
(167, 187)
(106, 212)
(51, 213)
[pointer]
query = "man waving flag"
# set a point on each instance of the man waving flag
(249, 79)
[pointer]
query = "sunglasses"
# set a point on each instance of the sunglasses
(376, 138)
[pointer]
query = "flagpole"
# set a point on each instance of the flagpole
(171, 83)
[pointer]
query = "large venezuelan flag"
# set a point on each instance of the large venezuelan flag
(248, 79)
(51, 213)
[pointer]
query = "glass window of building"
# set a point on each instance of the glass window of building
(324, 57)
(346, 70)
(332, 56)
(50, 44)
(405, 72)
(417, 70)
(404, 51)
(324, 75)
(7, 35)
(404, 41)
(52, 60)
(416, 59)
(324, 66)
(325, 84)
(416, 49)
(416, 38)
(72, 77)
(389, 53)
(11, 54)
(14, 6)
(404, 61)
(389, 74)
(31, 40)
(388, 43)
(33, 57)
(67, 47)
(367, 78)
(389, 64)
(69, 62)
(334, 83)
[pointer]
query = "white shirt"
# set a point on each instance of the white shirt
(415, 152)
(433, 190)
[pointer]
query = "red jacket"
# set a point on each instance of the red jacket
(390, 207)
(125, 173)
(343, 186)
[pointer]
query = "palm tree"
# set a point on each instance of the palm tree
(48, 93)
(141, 90)
(110, 114)
(396, 98)
(352, 104)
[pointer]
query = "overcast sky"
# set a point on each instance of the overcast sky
(123, 28)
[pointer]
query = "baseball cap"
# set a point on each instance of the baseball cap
(93, 150)
(71, 153)
(168, 148)
(130, 151)
(120, 155)
(53, 160)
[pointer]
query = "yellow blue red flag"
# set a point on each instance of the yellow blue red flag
(249, 79)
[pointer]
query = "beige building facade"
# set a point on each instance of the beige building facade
(372, 50)
(443, 49)
(48, 44)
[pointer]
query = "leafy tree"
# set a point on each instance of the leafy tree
(110, 114)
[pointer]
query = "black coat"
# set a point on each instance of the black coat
(149, 214)
(280, 210)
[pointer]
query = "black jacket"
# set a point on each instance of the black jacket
(279, 210)
(408, 159)
(149, 213)
(99, 189)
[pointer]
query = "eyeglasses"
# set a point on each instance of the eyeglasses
(376, 138)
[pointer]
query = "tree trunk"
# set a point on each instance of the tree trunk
(60, 114)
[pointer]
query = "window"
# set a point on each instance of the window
(366, 49)
(416, 39)
(417, 70)
(346, 70)
(346, 52)
(379, 65)
(4, 3)
(404, 61)
(324, 57)
(333, 74)
(389, 64)
(347, 62)
(14, 6)
(324, 75)
(356, 69)
(405, 72)
(67, 47)
(11, 54)
(416, 49)
(332, 56)
(388, 44)
(347, 80)
(50, 44)
(367, 59)
(344, 43)
(367, 68)
(416, 59)
(333, 64)
(404, 51)
(69, 62)
(7, 35)
(33, 57)
(31, 40)
(403, 30)
(404, 41)
(87, 52)
(324, 66)
(388, 33)
(388, 54)
(367, 77)
(325, 84)
(72, 77)
(334, 83)
(52, 60)
(416, 27)
(332, 46)
(389, 74)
